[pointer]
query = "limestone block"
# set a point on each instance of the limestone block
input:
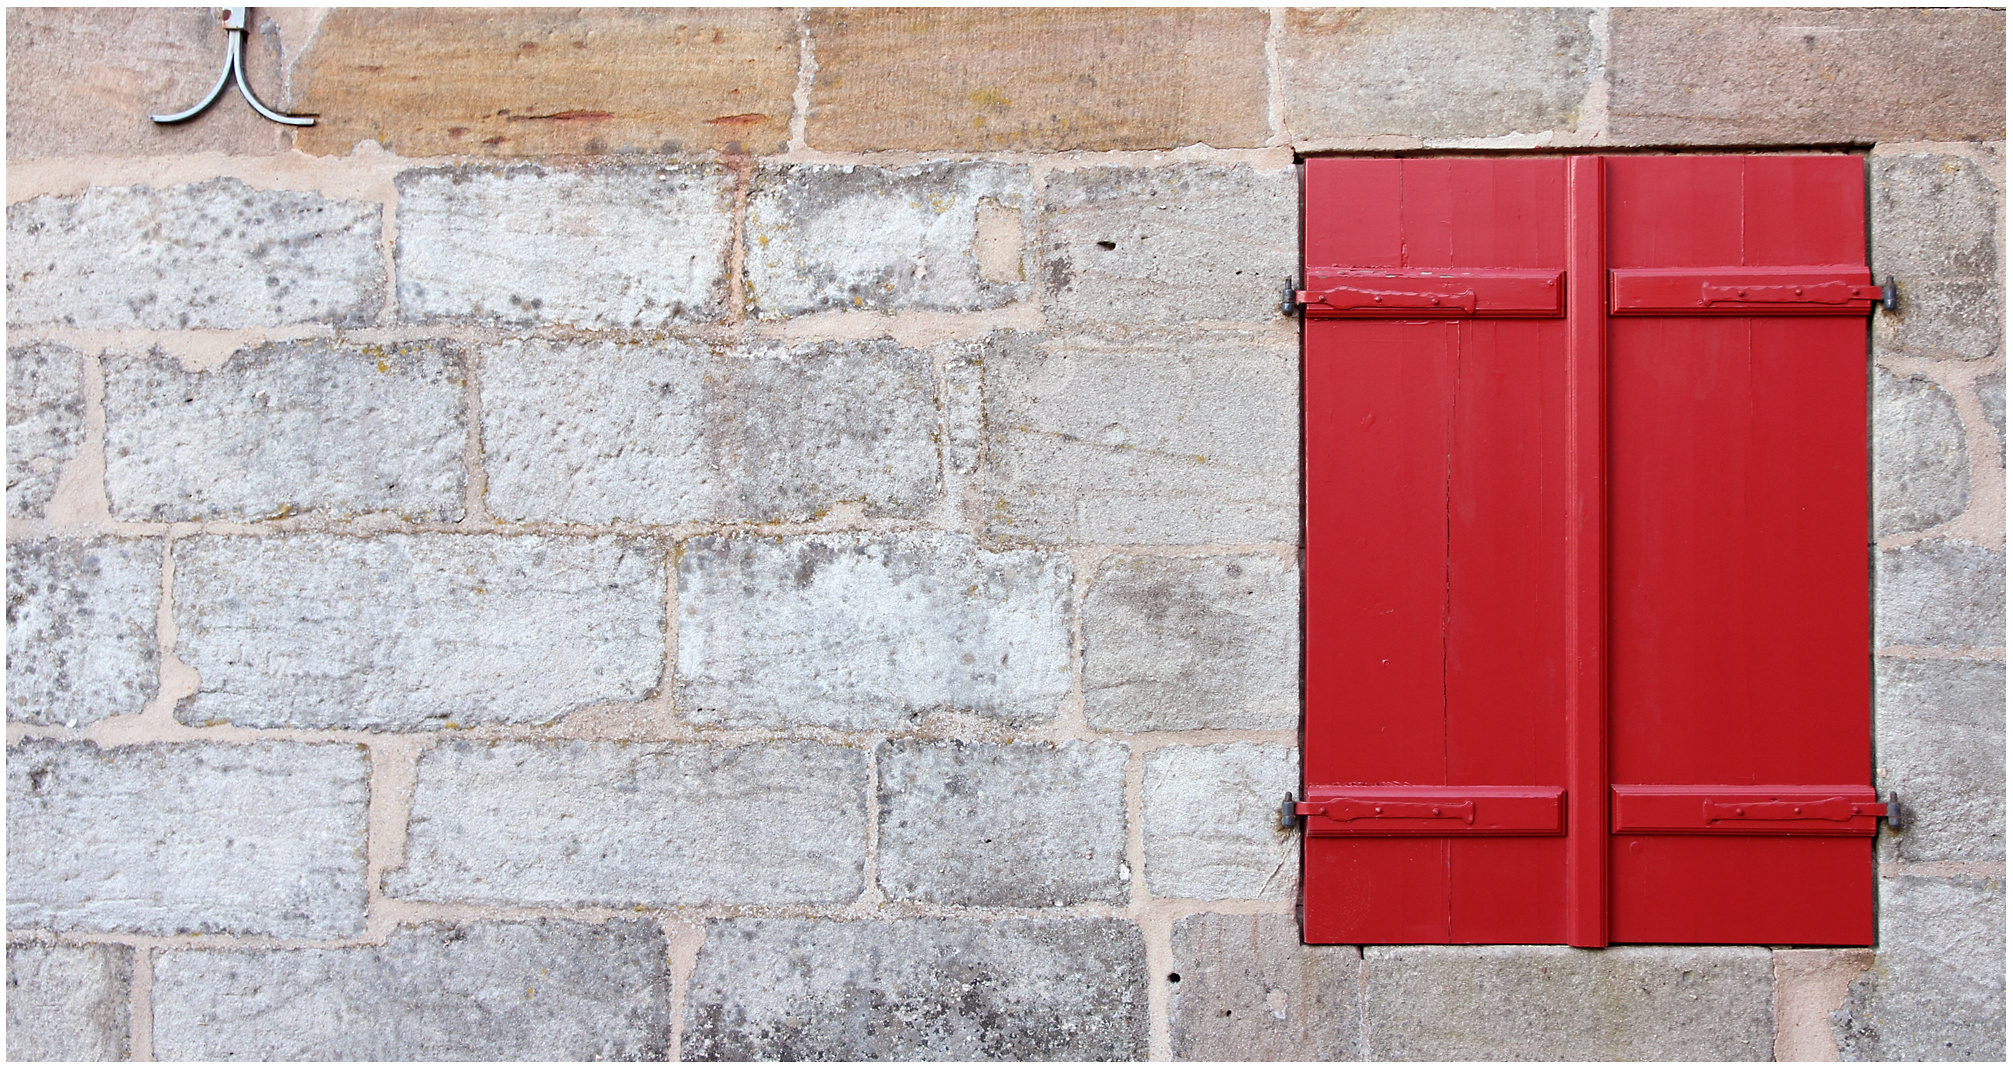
(81, 619)
(1937, 989)
(1212, 821)
(1938, 592)
(1939, 733)
(1245, 989)
(68, 1003)
(45, 422)
(1921, 469)
(1935, 221)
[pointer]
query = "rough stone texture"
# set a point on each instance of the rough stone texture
(82, 81)
(80, 629)
(1245, 989)
(68, 1003)
(286, 428)
(1921, 472)
(446, 82)
(983, 824)
(1048, 989)
(265, 838)
(1212, 821)
(1425, 73)
(214, 254)
(964, 408)
(413, 632)
(1935, 221)
(607, 248)
(1177, 644)
(669, 432)
(869, 631)
(1127, 249)
(1726, 76)
(849, 236)
(1037, 80)
(1992, 397)
(1940, 740)
(1144, 443)
(581, 824)
(546, 990)
(1937, 989)
(1940, 593)
(1524, 1003)
(45, 421)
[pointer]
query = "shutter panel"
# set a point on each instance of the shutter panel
(1585, 570)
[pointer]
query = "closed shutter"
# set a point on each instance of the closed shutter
(1586, 534)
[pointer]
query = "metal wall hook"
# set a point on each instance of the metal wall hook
(235, 20)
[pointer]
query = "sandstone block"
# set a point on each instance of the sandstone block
(1549, 1003)
(869, 631)
(938, 236)
(265, 838)
(1760, 76)
(45, 422)
(410, 632)
(1245, 989)
(1037, 80)
(68, 1003)
(1935, 221)
(1142, 443)
(1937, 989)
(81, 640)
(1921, 471)
(449, 82)
(286, 428)
(1426, 73)
(82, 81)
(1940, 740)
(584, 824)
(1062, 989)
(606, 248)
(670, 432)
(1129, 249)
(1212, 821)
(1940, 593)
(545, 990)
(1173, 644)
(981, 824)
(214, 254)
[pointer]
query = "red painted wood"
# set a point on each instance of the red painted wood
(1586, 578)
(1450, 810)
(1747, 809)
(1822, 289)
(1432, 293)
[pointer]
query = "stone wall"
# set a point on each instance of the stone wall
(773, 533)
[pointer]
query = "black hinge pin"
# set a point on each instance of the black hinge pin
(1289, 817)
(1290, 304)
(1890, 297)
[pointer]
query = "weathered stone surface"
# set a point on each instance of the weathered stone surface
(1061, 989)
(45, 421)
(964, 408)
(1940, 593)
(1434, 73)
(1173, 644)
(1038, 80)
(669, 432)
(1245, 989)
(285, 428)
(265, 838)
(1940, 740)
(1118, 243)
(578, 824)
(410, 632)
(1549, 1003)
(214, 254)
(1937, 989)
(449, 82)
(1212, 821)
(1147, 443)
(1808, 76)
(82, 81)
(983, 824)
(68, 1003)
(1992, 397)
(606, 248)
(80, 629)
(545, 990)
(1921, 471)
(849, 236)
(1935, 221)
(869, 631)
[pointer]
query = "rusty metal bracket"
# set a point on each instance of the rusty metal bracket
(235, 20)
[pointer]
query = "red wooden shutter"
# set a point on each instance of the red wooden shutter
(1586, 562)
